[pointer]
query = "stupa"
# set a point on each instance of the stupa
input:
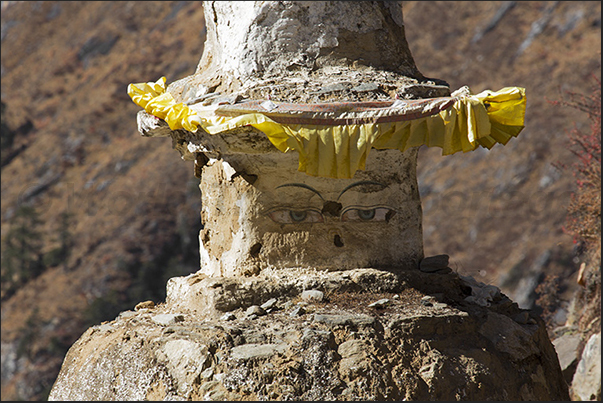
(305, 138)
(303, 120)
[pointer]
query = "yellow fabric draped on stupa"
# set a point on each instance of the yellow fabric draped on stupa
(464, 122)
(154, 99)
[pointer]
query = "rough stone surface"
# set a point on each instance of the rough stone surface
(586, 384)
(305, 52)
(433, 264)
(485, 294)
(339, 349)
(247, 240)
(566, 347)
(258, 234)
(185, 360)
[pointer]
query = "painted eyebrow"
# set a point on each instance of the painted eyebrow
(358, 184)
(304, 186)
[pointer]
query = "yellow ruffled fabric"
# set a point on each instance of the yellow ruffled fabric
(485, 119)
(154, 99)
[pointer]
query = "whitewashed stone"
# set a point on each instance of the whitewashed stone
(586, 384)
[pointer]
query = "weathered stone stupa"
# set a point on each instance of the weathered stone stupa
(303, 120)
(332, 89)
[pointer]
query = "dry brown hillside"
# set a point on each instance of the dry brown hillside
(111, 215)
(499, 213)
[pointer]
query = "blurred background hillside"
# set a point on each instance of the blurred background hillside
(96, 218)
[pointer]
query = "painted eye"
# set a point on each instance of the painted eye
(298, 216)
(368, 214)
(286, 216)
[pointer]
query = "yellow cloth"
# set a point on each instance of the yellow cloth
(156, 101)
(485, 119)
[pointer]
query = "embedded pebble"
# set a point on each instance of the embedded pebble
(238, 340)
(126, 314)
(144, 305)
(332, 88)
(228, 316)
(382, 303)
(105, 327)
(297, 311)
(427, 300)
(270, 304)
(312, 295)
(366, 87)
(344, 320)
(251, 351)
(255, 310)
(166, 319)
(208, 373)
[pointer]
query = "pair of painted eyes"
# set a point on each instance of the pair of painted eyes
(313, 216)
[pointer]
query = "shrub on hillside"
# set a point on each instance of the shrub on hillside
(584, 211)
